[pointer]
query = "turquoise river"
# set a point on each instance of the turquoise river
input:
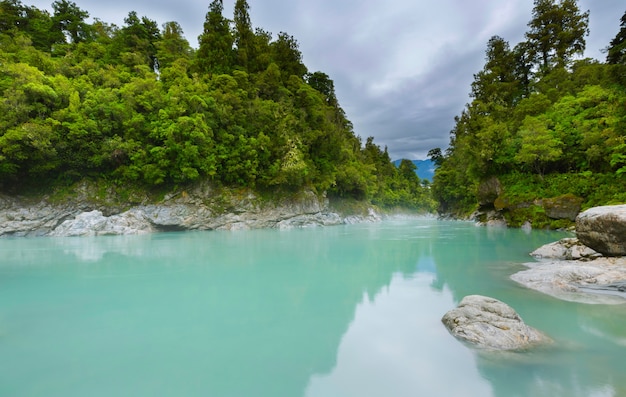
(341, 311)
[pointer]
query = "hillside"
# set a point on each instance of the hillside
(543, 126)
(137, 106)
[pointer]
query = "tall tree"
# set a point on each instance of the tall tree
(557, 33)
(323, 84)
(287, 55)
(497, 84)
(70, 19)
(538, 145)
(12, 15)
(172, 45)
(137, 40)
(244, 36)
(616, 51)
(215, 54)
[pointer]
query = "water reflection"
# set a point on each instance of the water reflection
(396, 346)
(231, 314)
(341, 311)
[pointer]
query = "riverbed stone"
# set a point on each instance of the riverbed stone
(603, 229)
(491, 324)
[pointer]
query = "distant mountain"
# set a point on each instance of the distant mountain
(425, 168)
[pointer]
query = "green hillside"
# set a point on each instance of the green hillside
(543, 122)
(136, 105)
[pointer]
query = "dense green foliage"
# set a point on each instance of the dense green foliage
(542, 122)
(137, 104)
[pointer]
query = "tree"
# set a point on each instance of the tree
(12, 15)
(323, 84)
(172, 46)
(616, 51)
(539, 146)
(244, 37)
(70, 19)
(135, 42)
(557, 33)
(436, 156)
(215, 54)
(286, 54)
(40, 29)
(497, 84)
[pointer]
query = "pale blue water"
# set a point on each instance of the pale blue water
(328, 312)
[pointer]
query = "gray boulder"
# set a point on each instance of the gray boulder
(603, 229)
(566, 206)
(491, 324)
(488, 191)
(566, 249)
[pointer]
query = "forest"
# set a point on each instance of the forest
(542, 120)
(136, 105)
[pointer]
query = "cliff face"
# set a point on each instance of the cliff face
(200, 208)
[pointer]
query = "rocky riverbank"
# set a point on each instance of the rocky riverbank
(200, 208)
(590, 268)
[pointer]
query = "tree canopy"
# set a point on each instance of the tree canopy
(539, 116)
(135, 104)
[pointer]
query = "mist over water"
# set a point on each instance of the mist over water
(340, 311)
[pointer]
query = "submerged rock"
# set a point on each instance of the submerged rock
(603, 229)
(491, 324)
(597, 281)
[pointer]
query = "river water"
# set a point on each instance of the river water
(323, 312)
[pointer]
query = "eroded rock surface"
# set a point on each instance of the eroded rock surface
(199, 209)
(596, 281)
(565, 249)
(491, 324)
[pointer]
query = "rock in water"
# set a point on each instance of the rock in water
(565, 249)
(593, 282)
(603, 229)
(491, 324)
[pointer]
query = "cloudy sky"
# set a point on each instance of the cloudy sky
(402, 68)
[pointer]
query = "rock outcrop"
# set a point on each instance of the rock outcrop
(603, 229)
(588, 269)
(569, 248)
(198, 209)
(569, 270)
(596, 282)
(488, 191)
(566, 206)
(93, 223)
(491, 324)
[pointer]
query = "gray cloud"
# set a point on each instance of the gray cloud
(402, 68)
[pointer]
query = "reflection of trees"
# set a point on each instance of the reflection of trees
(469, 259)
(568, 369)
(264, 309)
(259, 312)
(469, 262)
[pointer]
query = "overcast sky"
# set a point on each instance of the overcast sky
(402, 68)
